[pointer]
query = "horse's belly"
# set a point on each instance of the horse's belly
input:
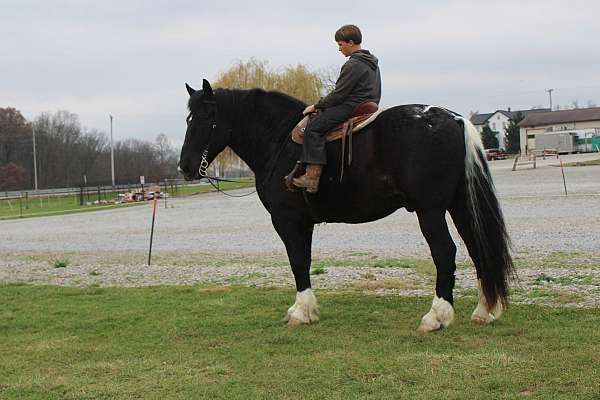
(358, 206)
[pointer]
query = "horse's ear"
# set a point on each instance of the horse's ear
(189, 89)
(206, 89)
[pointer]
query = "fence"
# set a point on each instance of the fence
(52, 201)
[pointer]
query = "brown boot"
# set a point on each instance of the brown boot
(310, 180)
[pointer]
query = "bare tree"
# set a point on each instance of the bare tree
(66, 152)
(329, 78)
(90, 147)
(167, 156)
(58, 135)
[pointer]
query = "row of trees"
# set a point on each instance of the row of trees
(66, 152)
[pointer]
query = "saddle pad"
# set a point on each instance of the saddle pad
(339, 131)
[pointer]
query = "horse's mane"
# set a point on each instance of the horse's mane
(229, 98)
(278, 97)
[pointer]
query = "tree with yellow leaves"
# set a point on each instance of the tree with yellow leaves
(297, 81)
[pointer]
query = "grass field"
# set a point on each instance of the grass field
(57, 205)
(48, 205)
(583, 163)
(230, 343)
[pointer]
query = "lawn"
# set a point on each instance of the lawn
(57, 205)
(230, 343)
(583, 163)
(49, 205)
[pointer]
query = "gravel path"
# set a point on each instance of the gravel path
(195, 235)
(577, 287)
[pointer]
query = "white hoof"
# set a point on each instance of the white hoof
(483, 315)
(440, 316)
(305, 310)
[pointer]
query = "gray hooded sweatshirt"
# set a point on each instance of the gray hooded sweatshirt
(359, 81)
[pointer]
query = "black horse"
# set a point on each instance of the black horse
(424, 158)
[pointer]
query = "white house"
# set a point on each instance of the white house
(498, 121)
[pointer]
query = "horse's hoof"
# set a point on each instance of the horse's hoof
(296, 322)
(426, 328)
(481, 316)
(305, 310)
(482, 320)
(440, 315)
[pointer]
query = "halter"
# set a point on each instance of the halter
(203, 169)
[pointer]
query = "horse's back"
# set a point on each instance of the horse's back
(411, 156)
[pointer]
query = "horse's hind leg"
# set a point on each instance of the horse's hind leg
(443, 251)
(483, 314)
(297, 238)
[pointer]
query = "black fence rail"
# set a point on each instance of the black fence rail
(61, 200)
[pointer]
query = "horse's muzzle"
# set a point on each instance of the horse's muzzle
(186, 175)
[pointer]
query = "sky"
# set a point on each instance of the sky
(131, 59)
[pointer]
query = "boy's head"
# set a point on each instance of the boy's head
(348, 33)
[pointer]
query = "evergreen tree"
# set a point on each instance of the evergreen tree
(488, 137)
(513, 134)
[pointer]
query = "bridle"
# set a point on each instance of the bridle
(203, 168)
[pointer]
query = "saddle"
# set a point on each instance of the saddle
(363, 115)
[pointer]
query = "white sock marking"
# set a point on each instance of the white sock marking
(305, 309)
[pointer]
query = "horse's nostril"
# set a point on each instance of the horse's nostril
(179, 169)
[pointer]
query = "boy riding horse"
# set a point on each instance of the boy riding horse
(359, 81)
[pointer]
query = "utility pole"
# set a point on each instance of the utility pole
(112, 153)
(34, 160)
(550, 94)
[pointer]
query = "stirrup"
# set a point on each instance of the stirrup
(296, 172)
(309, 184)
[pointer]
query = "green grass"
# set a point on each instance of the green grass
(230, 343)
(50, 205)
(558, 259)
(365, 260)
(318, 270)
(59, 205)
(583, 163)
(198, 189)
(63, 263)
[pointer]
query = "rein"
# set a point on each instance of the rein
(202, 170)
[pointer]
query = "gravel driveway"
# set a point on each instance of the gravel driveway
(202, 235)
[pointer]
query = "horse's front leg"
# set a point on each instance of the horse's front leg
(297, 237)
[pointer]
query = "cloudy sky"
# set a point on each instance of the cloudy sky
(132, 58)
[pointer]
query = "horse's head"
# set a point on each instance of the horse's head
(206, 134)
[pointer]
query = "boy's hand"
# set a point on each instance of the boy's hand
(310, 109)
